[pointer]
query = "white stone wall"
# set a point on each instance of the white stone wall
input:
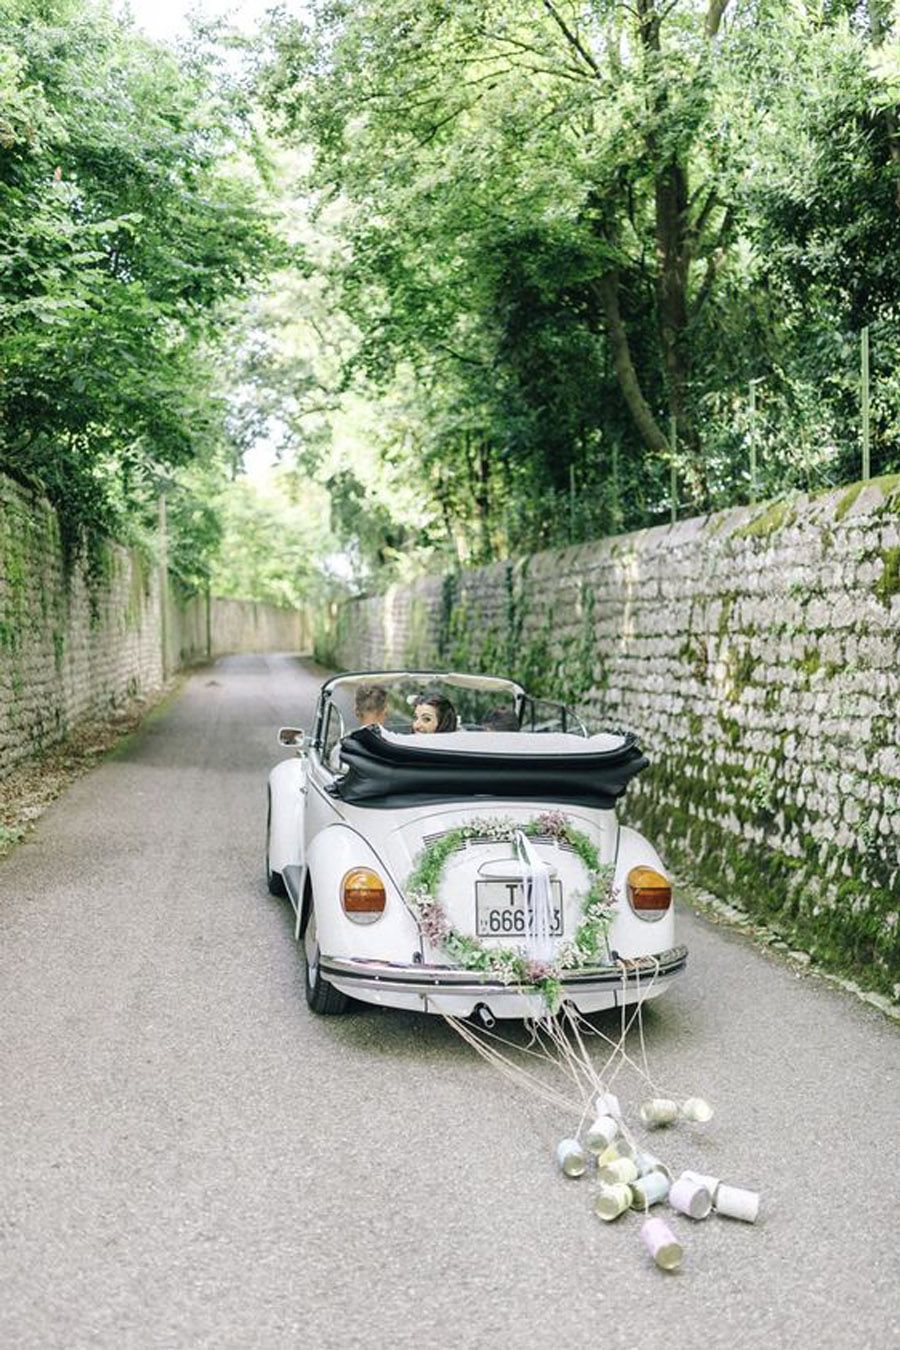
(242, 626)
(757, 654)
(68, 650)
(73, 647)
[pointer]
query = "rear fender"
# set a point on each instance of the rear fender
(629, 935)
(393, 937)
(287, 804)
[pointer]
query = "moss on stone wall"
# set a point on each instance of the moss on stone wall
(852, 930)
(773, 518)
(847, 500)
(888, 584)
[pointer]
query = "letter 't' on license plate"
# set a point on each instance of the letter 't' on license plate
(500, 909)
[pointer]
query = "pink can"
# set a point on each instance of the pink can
(662, 1244)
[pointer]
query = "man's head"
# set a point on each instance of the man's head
(371, 705)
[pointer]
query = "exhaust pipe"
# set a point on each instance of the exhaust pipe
(485, 1016)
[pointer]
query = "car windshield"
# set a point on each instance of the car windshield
(420, 703)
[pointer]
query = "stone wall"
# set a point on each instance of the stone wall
(757, 654)
(73, 646)
(242, 626)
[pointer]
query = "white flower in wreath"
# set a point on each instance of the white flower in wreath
(504, 968)
(499, 828)
(567, 955)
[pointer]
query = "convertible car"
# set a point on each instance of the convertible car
(480, 870)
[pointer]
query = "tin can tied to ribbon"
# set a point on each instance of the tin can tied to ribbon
(659, 1111)
(695, 1108)
(571, 1157)
(736, 1203)
(601, 1133)
(662, 1244)
(711, 1183)
(617, 1149)
(611, 1201)
(648, 1162)
(649, 1190)
(607, 1104)
(690, 1198)
(618, 1169)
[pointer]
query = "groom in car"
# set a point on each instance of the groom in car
(370, 705)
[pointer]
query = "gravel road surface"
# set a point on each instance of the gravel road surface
(191, 1158)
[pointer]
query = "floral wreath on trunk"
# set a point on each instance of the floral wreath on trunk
(511, 965)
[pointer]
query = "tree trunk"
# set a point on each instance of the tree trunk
(607, 291)
(672, 241)
(673, 264)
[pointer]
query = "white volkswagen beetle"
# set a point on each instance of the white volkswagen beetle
(450, 845)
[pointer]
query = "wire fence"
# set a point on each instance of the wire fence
(751, 432)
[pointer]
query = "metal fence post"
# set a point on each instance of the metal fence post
(163, 561)
(754, 443)
(616, 490)
(864, 381)
(571, 503)
(673, 472)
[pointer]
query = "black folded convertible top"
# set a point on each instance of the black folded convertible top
(381, 773)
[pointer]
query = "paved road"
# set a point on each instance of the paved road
(190, 1158)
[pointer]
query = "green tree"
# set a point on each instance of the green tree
(273, 548)
(128, 222)
(564, 224)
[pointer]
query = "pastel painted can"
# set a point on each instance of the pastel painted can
(649, 1190)
(618, 1169)
(695, 1108)
(607, 1104)
(736, 1203)
(662, 1244)
(659, 1111)
(648, 1162)
(571, 1157)
(711, 1183)
(601, 1133)
(690, 1198)
(611, 1201)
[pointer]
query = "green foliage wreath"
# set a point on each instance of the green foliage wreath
(511, 965)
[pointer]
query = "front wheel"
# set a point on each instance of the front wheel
(321, 996)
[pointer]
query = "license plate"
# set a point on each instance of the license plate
(500, 909)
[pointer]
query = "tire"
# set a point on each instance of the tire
(321, 996)
(274, 880)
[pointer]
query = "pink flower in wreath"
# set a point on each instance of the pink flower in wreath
(553, 823)
(434, 923)
(535, 971)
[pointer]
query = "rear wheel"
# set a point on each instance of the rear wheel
(274, 880)
(321, 996)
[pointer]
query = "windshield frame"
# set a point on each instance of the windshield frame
(453, 679)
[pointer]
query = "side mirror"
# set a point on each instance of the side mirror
(292, 738)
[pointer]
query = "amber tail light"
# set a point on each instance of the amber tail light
(362, 895)
(649, 893)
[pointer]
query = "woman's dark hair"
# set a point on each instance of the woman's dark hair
(447, 719)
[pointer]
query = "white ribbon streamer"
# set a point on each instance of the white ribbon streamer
(538, 899)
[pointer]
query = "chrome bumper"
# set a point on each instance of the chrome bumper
(423, 980)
